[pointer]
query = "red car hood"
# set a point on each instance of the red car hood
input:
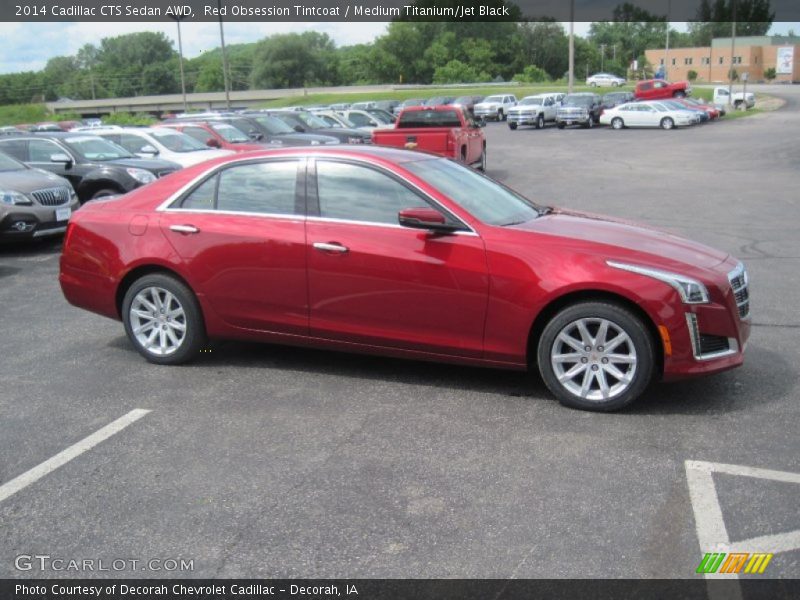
(627, 235)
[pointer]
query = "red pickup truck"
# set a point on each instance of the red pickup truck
(444, 130)
(658, 89)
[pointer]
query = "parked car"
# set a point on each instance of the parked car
(162, 142)
(535, 110)
(385, 251)
(647, 114)
(439, 101)
(10, 130)
(33, 203)
(383, 115)
(408, 104)
(387, 105)
(339, 106)
(215, 134)
(738, 100)
(495, 107)
(361, 119)
(445, 130)
(468, 102)
(581, 108)
(612, 99)
(362, 105)
(681, 104)
(306, 122)
(95, 167)
(713, 111)
(266, 129)
(605, 80)
(658, 89)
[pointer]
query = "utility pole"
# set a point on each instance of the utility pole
(224, 59)
(733, 50)
(178, 19)
(666, 48)
(571, 78)
(602, 57)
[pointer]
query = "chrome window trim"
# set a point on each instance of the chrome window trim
(386, 225)
(211, 171)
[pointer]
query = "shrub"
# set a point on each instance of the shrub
(128, 119)
(691, 75)
(531, 74)
(770, 74)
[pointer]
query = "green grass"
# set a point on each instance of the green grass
(17, 114)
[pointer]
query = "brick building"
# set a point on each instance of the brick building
(752, 55)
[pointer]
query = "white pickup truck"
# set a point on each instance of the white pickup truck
(534, 110)
(738, 99)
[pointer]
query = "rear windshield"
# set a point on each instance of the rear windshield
(429, 118)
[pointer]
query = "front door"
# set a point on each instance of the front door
(374, 282)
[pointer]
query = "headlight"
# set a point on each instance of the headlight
(15, 198)
(690, 290)
(141, 175)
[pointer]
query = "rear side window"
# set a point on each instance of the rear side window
(15, 148)
(429, 118)
(202, 198)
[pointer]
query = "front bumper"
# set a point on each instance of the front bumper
(487, 113)
(523, 118)
(31, 222)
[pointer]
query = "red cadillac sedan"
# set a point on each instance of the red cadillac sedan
(388, 251)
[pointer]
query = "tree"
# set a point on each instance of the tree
(455, 71)
(531, 74)
(542, 43)
(753, 17)
(294, 60)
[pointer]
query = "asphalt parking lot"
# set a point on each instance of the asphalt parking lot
(264, 461)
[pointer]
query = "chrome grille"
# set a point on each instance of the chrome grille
(53, 196)
(741, 291)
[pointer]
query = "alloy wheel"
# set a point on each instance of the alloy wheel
(158, 321)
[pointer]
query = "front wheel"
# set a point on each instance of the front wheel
(617, 123)
(596, 356)
(667, 123)
(163, 320)
(590, 122)
(501, 115)
(512, 126)
(540, 122)
(105, 193)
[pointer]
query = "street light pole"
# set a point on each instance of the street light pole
(602, 57)
(733, 51)
(571, 77)
(666, 49)
(180, 58)
(224, 59)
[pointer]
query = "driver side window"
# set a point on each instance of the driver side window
(42, 150)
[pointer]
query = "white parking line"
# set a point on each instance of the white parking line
(20, 482)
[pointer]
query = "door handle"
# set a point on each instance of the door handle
(330, 247)
(184, 229)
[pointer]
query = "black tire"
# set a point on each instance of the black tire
(105, 193)
(194, 337)
(617, 123)
(680, 94)
(512, 126)
(639, 342)
(589, 123)
(667, 123)
(483, 161)
(540, 122)
(561, 125)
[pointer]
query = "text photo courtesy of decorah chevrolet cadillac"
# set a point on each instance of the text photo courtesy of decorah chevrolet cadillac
(395, 252)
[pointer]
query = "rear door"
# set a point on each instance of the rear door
(241, 236)
(374, 282)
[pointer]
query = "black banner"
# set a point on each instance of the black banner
(397, 589)
(362, 10)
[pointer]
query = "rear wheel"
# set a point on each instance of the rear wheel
(540, 122)
(617, 123)
(596, 356)
(162, 319)
(667, 123)
(680, 94)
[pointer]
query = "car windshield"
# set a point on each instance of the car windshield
(494, 99)
(310, 120)
(273, 125)
(532, 101)
(177, 141)
(229, 133)
(577, 101)
(9, 164)
(484, 198)
(96, 148)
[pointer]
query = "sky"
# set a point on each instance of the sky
(28, 46)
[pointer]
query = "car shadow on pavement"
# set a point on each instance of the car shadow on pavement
(22, 249)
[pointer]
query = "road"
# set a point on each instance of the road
(263, 461)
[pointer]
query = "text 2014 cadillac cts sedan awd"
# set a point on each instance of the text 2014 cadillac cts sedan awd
(387, 251)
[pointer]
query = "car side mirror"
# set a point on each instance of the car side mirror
(148, 149)
(299, 129)
(424, 218)
(213, 143)
(256, 136)
(60, 157)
